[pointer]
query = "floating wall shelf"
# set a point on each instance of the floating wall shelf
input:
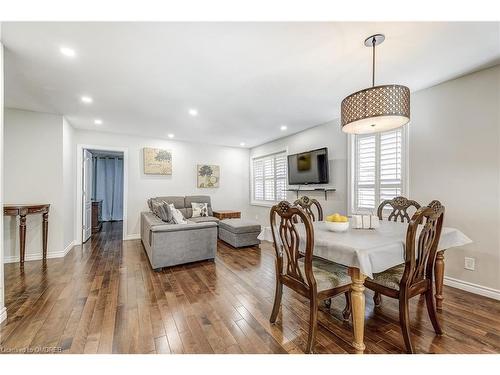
(318, 190)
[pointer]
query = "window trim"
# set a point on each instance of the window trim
(254, 202)
(405, 163)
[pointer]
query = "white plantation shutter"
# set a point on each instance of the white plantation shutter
(365, 171)
(258, 179)
(269, 178)
(280, 165)
(377, 169)
(390, 164)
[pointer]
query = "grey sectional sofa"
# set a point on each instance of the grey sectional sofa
(172, 244)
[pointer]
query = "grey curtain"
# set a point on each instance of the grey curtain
(108, 186)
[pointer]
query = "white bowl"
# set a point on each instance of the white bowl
(337, 226)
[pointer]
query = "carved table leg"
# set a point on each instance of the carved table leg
(439, 276)
(358, 308)
(45, 230)
(22, 238)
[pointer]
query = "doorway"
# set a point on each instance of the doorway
(102, 190)
(102, 186)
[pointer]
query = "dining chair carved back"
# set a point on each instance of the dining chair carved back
(415, 276)
(400, 206)
(313, 278)
(307, 204)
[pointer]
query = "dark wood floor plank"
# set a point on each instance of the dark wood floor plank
(103, 297)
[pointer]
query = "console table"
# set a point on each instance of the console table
(22, 210)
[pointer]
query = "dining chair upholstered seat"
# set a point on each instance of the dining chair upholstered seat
(328, 275)
(390, 278)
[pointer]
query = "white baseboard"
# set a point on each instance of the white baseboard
(39, 256)
(3, 314)
(472, 288)
(133, 237)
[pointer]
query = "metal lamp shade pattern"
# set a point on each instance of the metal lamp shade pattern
(376, 109)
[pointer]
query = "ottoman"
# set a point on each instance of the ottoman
(239, 232)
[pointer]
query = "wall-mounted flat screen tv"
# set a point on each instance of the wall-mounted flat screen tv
(310, 167)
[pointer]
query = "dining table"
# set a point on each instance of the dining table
(369, 251)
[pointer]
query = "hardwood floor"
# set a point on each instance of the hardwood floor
(104, 298)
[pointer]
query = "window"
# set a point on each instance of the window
(378, 168)
(269, 178)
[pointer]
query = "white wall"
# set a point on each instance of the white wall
(455, 157)
(233, 192)
(326, 135)
(3, 312)
(69, 183)
(33, 173)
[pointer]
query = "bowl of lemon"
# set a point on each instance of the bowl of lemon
(337, 223)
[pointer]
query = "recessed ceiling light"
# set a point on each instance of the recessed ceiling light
(283, 127)
(193, 112)
(86, 99)
(242, 144)
(170, 135)
(68, 52)
(98, 121)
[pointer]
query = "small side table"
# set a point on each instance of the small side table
(22, 210)
(227, 214)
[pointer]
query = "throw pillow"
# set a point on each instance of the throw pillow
(177, 217)
(199, 209)
(164, 212)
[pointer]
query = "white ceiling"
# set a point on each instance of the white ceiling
(245, 79)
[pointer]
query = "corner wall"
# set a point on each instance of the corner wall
(455, 158)
(327, 135)
(69, 184)
(34, 173)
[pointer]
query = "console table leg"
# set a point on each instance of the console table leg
(439, 276)
(22, 238)
(45, 230)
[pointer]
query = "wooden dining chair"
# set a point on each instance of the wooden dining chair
(314, 278)
(400, 206)
(414, 277)
(306, 204)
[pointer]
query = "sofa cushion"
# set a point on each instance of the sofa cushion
(165, 227)
(240, 225)
(204, 219)
(198, 199)
(178, 202)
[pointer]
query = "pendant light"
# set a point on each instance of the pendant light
(378, 108)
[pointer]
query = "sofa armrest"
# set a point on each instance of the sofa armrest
(150, 220)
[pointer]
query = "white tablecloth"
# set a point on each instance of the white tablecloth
(370, 250)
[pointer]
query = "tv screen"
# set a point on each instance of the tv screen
(309, 167)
